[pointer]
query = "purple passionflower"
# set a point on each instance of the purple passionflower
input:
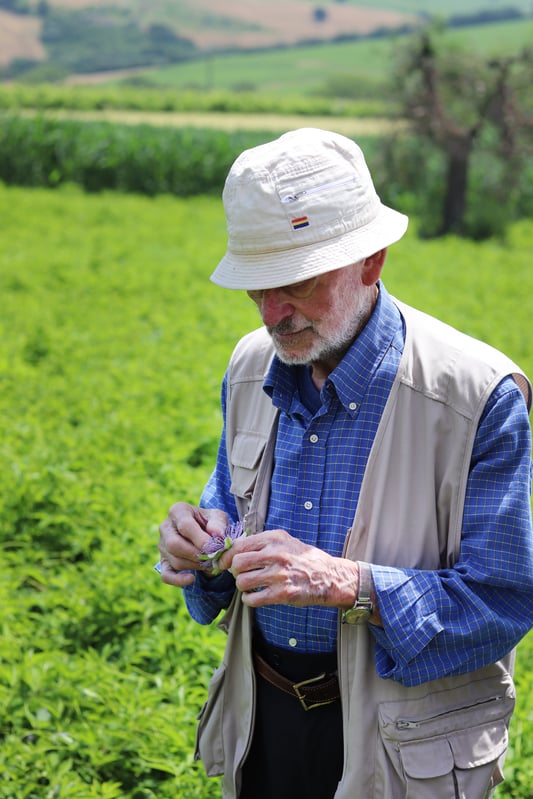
(218, 544)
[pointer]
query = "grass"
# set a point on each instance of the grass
(114, 345)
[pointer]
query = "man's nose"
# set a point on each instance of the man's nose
(274, 307)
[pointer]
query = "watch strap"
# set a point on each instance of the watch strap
(364, 595)
(362, 608)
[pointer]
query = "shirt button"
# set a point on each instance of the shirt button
(292, 641)
(313, 439)
(308, 505)
(353, 406)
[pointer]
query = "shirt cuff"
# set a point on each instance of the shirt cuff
(220, 584)
(406, 602)
(206, 597)
(215, 591)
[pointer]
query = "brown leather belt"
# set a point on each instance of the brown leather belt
(316, 692)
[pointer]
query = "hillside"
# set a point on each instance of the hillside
(84, 36)
(206, 24)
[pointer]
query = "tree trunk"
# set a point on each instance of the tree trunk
(454, 206)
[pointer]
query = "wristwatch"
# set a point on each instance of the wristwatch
(362, 609)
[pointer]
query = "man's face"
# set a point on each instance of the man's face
(317, 320)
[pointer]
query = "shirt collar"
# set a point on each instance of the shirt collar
(350, 379)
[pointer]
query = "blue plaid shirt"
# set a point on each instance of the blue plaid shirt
(434, 622)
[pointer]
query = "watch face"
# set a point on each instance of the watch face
(356, 615)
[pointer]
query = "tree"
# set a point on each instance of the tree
(464, 105)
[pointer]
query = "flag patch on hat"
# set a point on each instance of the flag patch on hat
(301, 221)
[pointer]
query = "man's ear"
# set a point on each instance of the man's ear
(372, 267)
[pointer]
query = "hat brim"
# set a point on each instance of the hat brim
(275, 268)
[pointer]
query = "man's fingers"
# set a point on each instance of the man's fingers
(180, 578)
(175, 547)
(197, 524)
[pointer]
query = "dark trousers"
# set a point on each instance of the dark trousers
(295, 752)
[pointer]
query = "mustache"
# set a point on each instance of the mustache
(287, 326)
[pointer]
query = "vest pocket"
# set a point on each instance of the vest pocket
(209, 739)
(248, 447)
(452, 754)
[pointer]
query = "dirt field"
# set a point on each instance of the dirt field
(19, 38)
(276, 123)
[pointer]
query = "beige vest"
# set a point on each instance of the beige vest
(439, 740)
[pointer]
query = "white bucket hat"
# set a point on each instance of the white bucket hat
(300, 206)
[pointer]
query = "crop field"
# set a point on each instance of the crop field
(114, 343)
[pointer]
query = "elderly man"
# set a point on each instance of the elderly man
(379, 462)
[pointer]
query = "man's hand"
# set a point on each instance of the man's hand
(289, 572)
(182, 535)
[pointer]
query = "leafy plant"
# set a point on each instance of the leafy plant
(113, 348)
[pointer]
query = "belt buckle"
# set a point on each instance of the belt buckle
(302, 684)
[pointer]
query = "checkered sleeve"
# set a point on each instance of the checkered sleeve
(452, 621)
(206, 597)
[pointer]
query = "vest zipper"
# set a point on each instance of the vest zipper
(292, 198)
(405, 724)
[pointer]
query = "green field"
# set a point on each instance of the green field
(114, 343)
(307, 70)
